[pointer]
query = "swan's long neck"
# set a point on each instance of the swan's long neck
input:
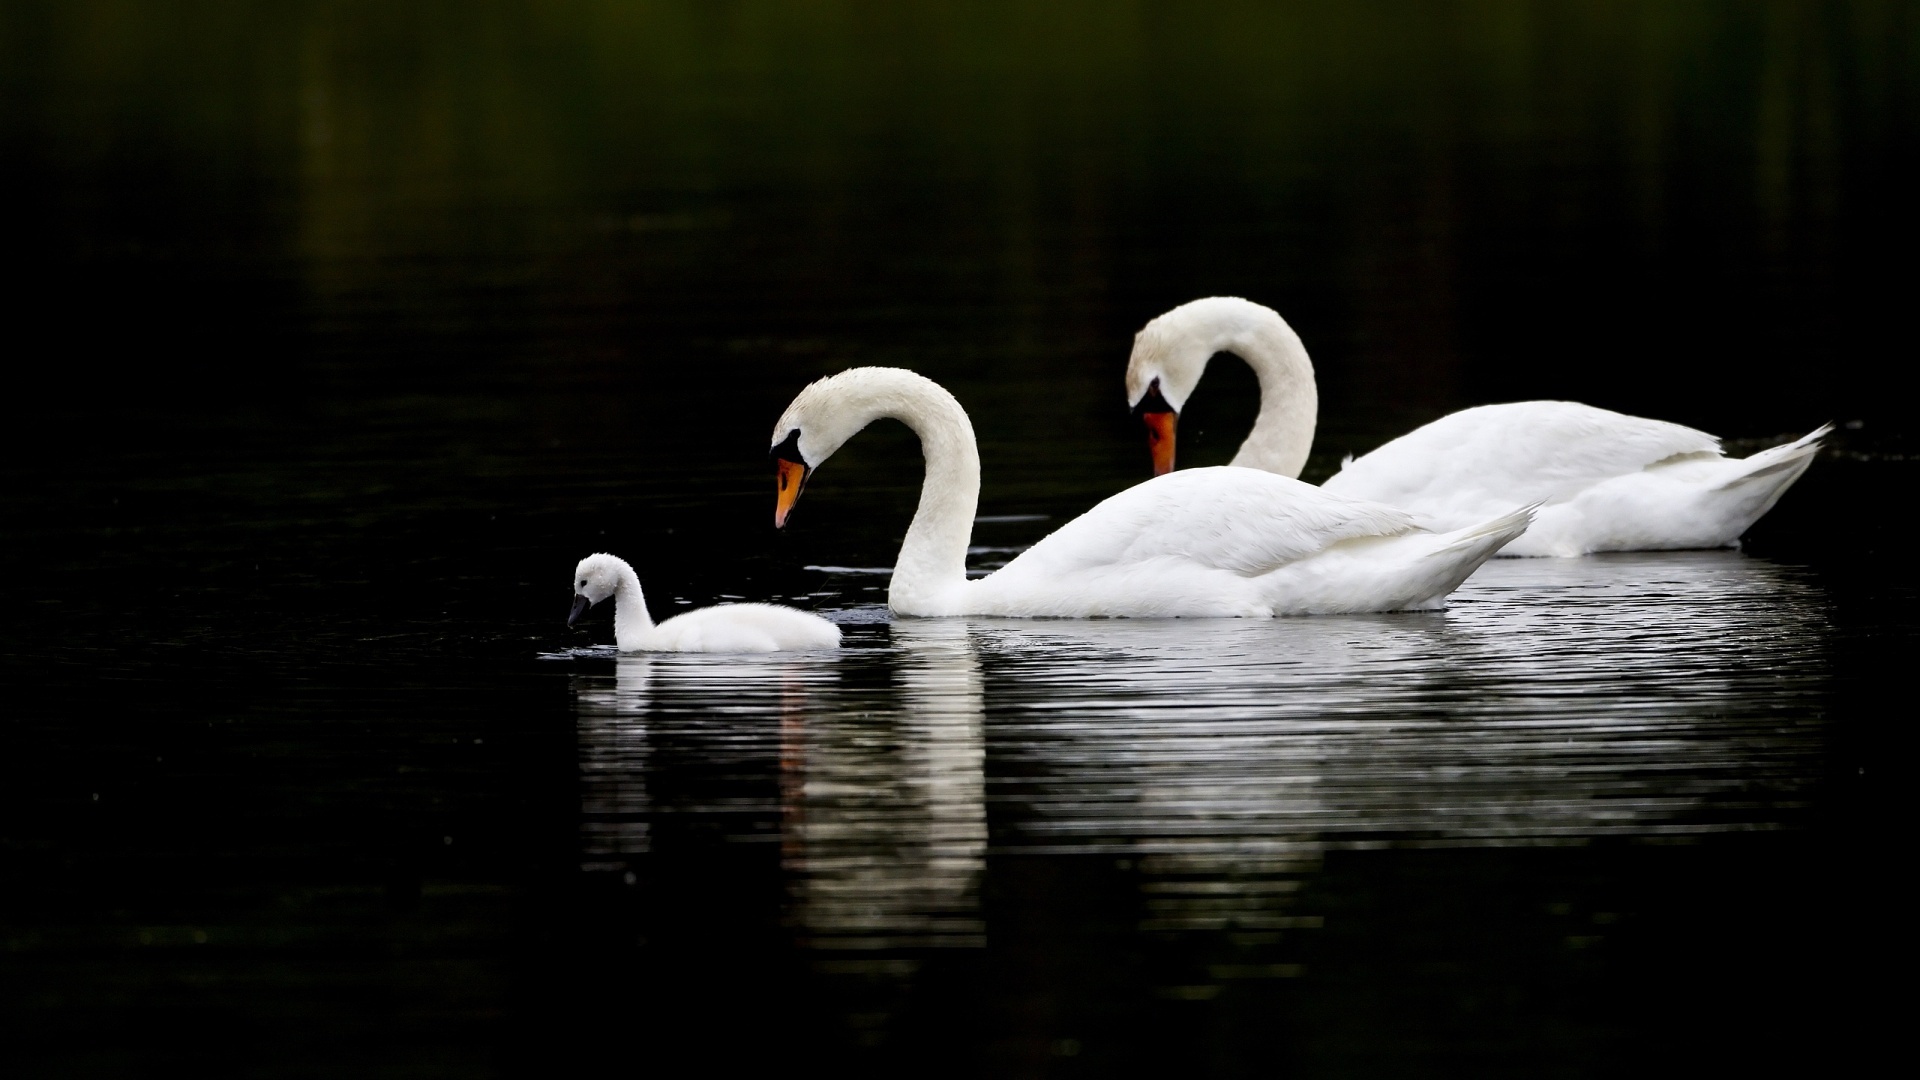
(1282, 434)
(631, 623)
(931, 571)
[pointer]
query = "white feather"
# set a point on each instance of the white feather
(1206, 542)
(1605, 481)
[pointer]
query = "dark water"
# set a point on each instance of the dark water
(339, 332)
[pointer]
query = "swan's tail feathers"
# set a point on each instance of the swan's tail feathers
(1783, 463)
(1488, 537)
(1458, 554)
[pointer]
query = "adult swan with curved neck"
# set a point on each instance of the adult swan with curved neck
(1605, 481)
(1205, 542)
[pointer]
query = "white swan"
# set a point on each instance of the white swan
(724, 628)
(1205, 542)
(1606, 481)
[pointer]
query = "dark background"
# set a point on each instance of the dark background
(386, 249)
(237, 215)
(336, 332)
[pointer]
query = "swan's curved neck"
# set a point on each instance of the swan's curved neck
(1282, 434)
(930, 574)
(631, 623)
(931, 571)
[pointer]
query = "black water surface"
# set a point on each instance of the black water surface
(338, 332)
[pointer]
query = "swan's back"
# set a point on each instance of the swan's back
(745, 628)
(1477, 460)
(1241, 520)
(1608, 482)
(1218, 541)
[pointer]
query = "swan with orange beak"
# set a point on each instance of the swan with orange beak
(789, 476)
(1604, 481)
(1198, 543)
(1171, 353)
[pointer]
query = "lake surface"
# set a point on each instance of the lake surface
(340, 333)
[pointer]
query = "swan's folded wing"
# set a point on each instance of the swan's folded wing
(1240, 520)
(1527, 451)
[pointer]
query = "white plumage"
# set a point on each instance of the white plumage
(1608, 482)
(1206, 542)
(724, 628)
(1605, 481)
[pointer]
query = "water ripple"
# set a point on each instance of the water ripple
(1655, 697)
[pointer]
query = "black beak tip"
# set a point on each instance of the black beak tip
(580, 606)
(1153, 401)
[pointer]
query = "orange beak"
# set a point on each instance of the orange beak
(790, 476)
(1160, 439)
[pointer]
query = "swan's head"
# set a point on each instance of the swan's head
(834, 409)
(1171, 353)
(596, 578)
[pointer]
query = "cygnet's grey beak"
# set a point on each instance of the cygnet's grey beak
(580, 606)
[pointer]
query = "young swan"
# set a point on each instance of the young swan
(1606, 481)
(725, 628)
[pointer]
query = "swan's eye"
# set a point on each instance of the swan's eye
(789, 449)
(583, 583)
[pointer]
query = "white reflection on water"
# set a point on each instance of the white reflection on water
(611, 730)
(881, 792)
(1556, 701)
(886, 830)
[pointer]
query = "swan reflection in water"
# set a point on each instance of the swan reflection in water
(886, 818)
(881, 793)
(1554, 701)
(610, 727)
(1650, 696)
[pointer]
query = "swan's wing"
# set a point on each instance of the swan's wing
(1240, 520)
(1524, 452)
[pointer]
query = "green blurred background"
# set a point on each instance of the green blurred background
(1701, 211)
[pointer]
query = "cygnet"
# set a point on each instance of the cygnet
(725, 628)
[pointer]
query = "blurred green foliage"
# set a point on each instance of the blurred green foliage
(1397, 177)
